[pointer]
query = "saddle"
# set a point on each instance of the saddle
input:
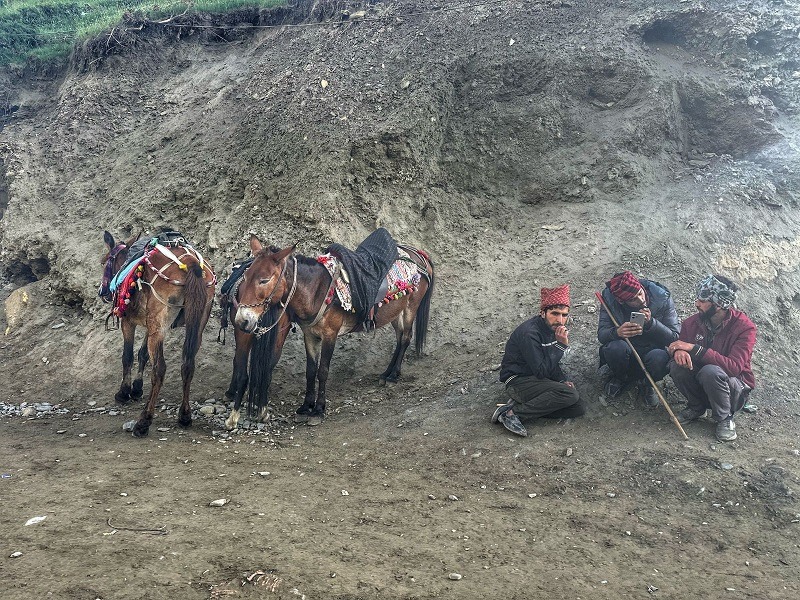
(366, 270)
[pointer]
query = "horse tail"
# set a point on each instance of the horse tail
(262, 363)
(195, 299)
(424, 310)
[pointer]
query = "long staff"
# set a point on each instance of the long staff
(641, 364)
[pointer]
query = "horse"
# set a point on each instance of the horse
(281, 287)
(175, 288)
(266, 350)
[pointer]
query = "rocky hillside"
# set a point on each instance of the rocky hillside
(522, 143)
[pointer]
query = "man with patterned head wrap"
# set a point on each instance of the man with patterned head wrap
(625, 293)
(530, 368)
(711, 360)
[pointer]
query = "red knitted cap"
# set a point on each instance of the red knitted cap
(625, 286)
(555, 296)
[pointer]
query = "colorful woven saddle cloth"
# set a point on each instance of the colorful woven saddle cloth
(402, 279)
(126, 282)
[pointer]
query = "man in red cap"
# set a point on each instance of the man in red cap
(625, 294)
(531, 371)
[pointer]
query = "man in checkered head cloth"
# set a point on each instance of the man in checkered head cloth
(531, 367)
(711, 362)
(657, 327)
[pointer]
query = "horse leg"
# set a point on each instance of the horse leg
(128, 331)
(155, 347)
(239, 378)
(403, 326)
(143, 357)
(325, 355)
(312, 361)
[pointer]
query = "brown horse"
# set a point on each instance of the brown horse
(279, 287)
(176, 287)
(264, 349)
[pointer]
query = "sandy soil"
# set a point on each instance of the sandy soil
(523, 145)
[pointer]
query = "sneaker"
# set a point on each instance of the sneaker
(687, 415)
(614, 387)
(513, 424)
(648, 393)
(726, 430)
(501, 410)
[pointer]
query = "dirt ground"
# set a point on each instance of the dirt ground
(523, 145)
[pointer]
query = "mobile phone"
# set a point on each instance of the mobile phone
(638, 318)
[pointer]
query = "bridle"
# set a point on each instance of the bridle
(259, 331)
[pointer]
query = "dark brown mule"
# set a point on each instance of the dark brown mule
(266, 350)
(170, 295)
(280, 284)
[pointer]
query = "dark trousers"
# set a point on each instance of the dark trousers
(623, 364)
(534, 398)
(710, 387)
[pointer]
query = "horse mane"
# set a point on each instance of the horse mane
(262, 362)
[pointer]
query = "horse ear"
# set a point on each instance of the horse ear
(279, 256)
(109, 240)
(255, 245)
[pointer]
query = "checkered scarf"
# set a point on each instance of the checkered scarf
(713, 290)
(625, 286)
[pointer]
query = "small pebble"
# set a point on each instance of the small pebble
(455, 576)
(726, 466)
(16, 554)
(345, 493)
(128, 425)
(611, 495)
(453, 497)
(568, 452)
(263, 473)
(431, 497)
(81, 435)
(532, 495)
(220, 502)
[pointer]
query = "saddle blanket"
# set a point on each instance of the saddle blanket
(403, 278)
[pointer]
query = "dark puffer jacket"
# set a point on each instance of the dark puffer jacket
(663, 329)
(533, 350)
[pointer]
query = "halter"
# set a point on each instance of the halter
(108, 274)
(259, 331)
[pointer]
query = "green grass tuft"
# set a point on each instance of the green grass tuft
(46, 30)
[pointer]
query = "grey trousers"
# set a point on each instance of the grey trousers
(710, 387)
(534, 398)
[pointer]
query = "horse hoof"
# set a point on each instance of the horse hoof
(298, 418)
(122, 398)
(185, 421)
(314, 421)
(140, 431)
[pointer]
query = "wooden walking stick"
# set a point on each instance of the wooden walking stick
(641, 364)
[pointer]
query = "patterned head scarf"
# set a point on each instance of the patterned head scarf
(713, 290)
(558, 296)
(625, 286)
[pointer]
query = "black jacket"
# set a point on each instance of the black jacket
(663, 329)
(533, 350)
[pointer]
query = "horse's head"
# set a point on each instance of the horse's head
(113, 260)
(262, 284)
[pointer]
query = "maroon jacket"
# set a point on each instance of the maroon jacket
(731, 348)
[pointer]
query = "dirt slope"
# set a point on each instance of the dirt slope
(523, 144)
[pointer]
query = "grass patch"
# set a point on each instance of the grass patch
(46, 30)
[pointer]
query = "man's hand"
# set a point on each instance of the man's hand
(569, 383)
(683, 359)
(647, 315)
(628, 329)
(562, 335)
(679, 345)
